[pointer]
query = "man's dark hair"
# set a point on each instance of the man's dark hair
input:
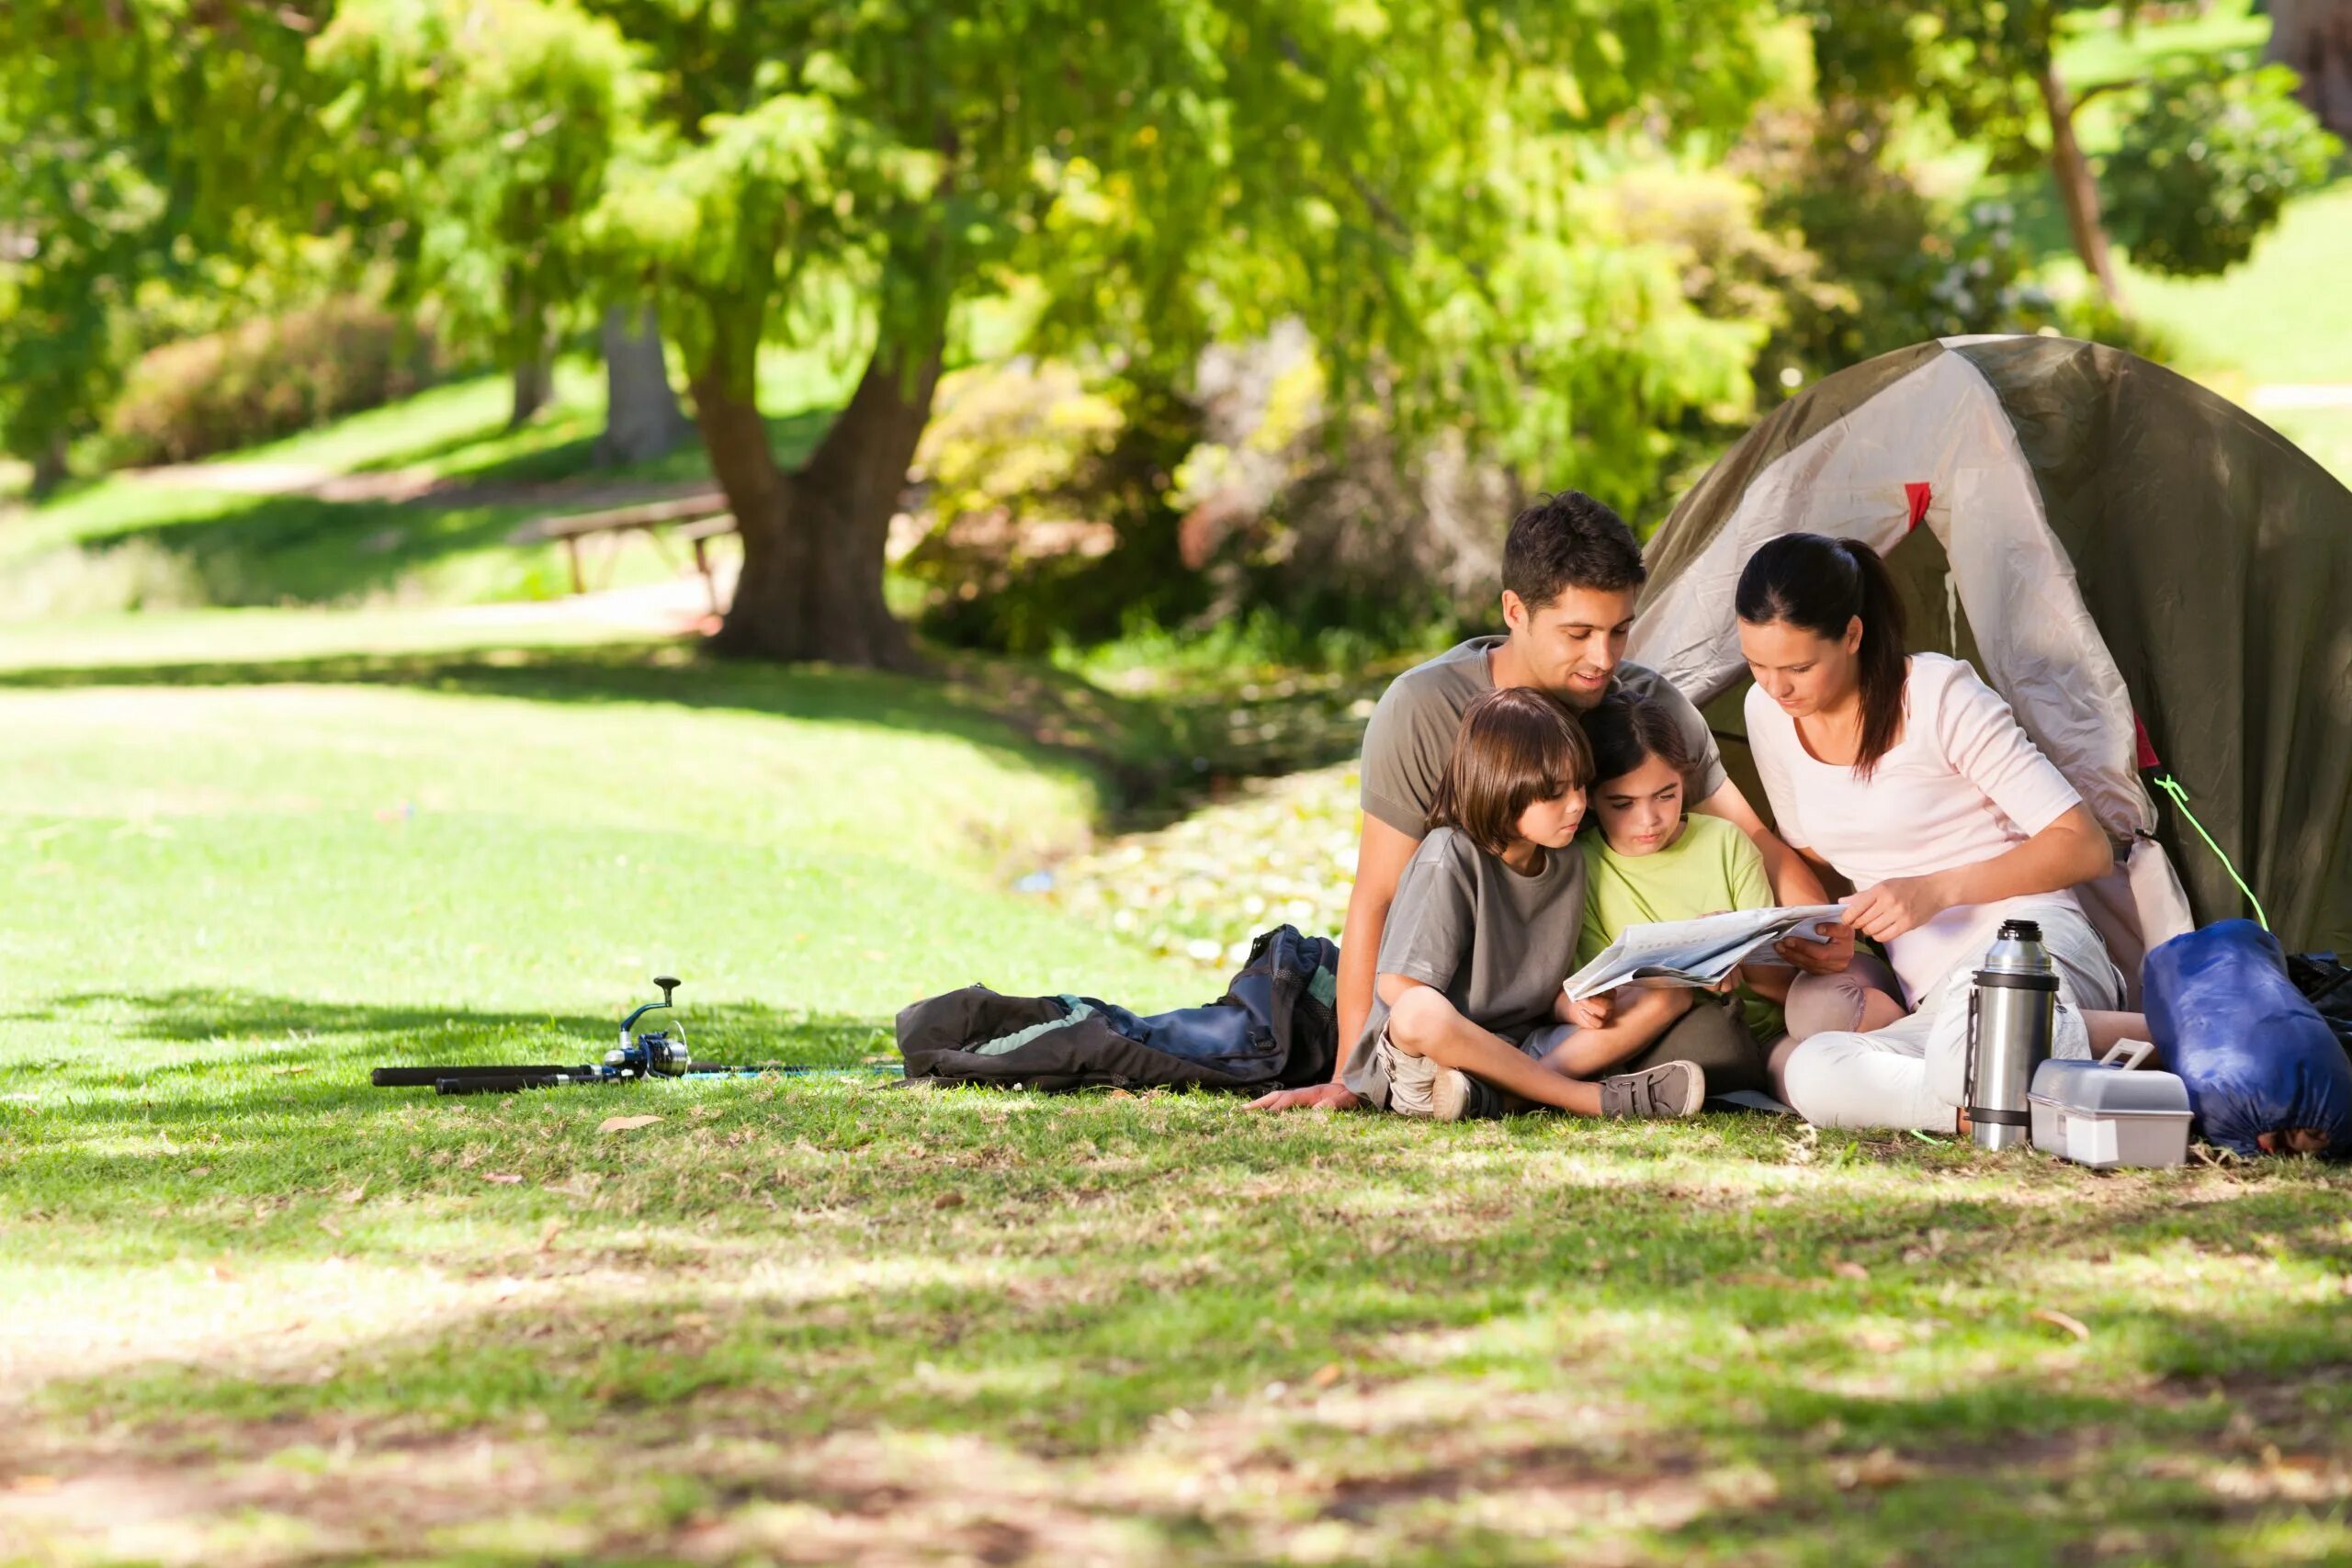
(1569, 541)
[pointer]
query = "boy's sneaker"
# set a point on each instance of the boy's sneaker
(1455, 1096)
(1658, 1093)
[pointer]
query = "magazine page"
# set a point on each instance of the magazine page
(1698, 952)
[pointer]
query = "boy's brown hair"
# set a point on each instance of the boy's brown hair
(1622, 728)
(1518, 745)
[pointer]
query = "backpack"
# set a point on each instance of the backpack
(1275, 1027)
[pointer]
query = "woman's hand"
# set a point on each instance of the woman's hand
(1898, 905)
(1825, 957)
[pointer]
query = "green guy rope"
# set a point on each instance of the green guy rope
(2172, 787)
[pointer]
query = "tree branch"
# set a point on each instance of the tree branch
(2096, 89)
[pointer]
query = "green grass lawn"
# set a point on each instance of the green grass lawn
(256, 1311)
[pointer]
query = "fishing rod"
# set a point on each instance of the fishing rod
(641, 1054)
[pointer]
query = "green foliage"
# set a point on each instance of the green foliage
(265, 378)
(1174, 172)
(133, 130)
(1904, 267)
(2209, 163)
(2212, 151)
(469, 140)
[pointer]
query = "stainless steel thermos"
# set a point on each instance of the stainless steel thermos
(2012, 1016)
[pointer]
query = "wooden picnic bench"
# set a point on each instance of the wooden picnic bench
(698, 519)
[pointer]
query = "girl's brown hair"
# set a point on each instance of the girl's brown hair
(1518, 745)
(1623, 729)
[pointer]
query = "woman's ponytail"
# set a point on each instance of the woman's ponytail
(1823, 585)
(1882, 656)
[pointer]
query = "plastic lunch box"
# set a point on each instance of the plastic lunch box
(2102, 1114)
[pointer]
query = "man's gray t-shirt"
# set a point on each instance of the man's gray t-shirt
(1411, 733)
(1498, 944)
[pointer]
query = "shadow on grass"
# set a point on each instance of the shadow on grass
(1051, 1322)
(1160, 755)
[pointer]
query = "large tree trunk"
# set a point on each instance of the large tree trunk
(49, 468)
(810, 586)
(2315, 37)
(2077, 190)
(642, 420)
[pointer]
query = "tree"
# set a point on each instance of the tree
(1167, 169)
(2314, 39)
(467, 138)
(1991, 68)
(146, 140)
(642, 419)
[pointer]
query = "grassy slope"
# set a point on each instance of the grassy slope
(257, 1311)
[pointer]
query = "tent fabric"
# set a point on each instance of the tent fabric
(2113, 546)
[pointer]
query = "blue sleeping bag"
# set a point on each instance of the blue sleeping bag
(2256, 1057)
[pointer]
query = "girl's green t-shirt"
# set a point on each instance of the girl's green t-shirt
(1710, 868)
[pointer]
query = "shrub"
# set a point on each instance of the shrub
(263, 380)
(2208, 166)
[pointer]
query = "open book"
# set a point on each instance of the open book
(1699, 953)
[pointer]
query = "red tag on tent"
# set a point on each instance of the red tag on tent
(1919, 495)
(2148, 760)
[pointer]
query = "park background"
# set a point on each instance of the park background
(1112, 398)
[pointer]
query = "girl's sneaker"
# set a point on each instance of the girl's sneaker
(1673, 1090)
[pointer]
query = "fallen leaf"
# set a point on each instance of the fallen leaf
(1880, 1467)
(222, 1272)
(503, 1178)
(354, 1194)
(2056, 1319)
(200, 1170)
(949, 1200)
(1328, 1374)
(625, 1123)
(329, 1226)
(289, 1072)
(1846, 1269)
(582, 1185)
(547, 1234)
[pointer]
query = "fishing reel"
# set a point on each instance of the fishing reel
(655, 1053)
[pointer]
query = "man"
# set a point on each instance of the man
(1571, 574)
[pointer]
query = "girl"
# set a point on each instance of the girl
(1909, 778)
(1467, 998)
(1647, 860)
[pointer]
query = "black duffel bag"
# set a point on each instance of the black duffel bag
(1275, 1027)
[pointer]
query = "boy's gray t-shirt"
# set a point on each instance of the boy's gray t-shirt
(1411, 733)
(1498, 944)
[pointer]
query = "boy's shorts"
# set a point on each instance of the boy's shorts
(1410, 1079)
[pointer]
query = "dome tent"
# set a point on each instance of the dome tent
(2159, 584)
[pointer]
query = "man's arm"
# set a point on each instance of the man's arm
(1382, 855)
(1792, 878)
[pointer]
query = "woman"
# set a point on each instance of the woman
(1909, 777)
